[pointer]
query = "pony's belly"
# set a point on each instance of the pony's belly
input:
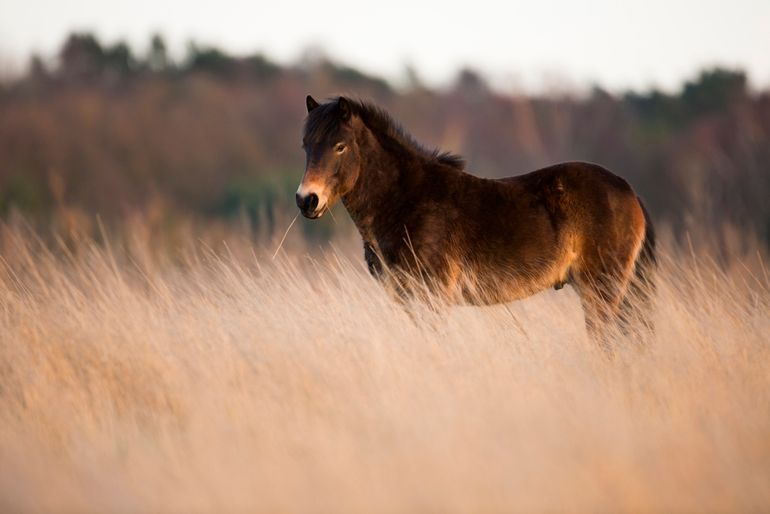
(492, 284)
(504, 291)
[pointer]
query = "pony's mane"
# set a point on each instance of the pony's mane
(382, 124)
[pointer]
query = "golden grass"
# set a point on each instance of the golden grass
(223, 381)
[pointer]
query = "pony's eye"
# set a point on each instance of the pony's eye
(339, 147)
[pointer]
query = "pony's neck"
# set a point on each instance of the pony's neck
(389, 170)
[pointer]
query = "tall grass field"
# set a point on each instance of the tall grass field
(198, 377)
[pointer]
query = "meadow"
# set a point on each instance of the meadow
(206, 376)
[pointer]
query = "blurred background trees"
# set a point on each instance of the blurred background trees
(103, 130)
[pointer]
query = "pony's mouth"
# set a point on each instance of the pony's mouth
(315, 214)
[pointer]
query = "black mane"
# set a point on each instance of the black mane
(326, 121)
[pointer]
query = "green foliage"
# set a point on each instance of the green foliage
(118, 58)
(208, 59)
(256, 198)
(260, 66)
(24, 192)
(83, 57)
(268, 201)
(352, 77)
(713, 91)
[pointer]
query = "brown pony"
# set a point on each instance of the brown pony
(424, 220)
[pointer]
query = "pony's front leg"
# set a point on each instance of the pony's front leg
(423, 300)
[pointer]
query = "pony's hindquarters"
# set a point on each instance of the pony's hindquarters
(615, 262)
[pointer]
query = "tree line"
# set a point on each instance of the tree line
(103, 129)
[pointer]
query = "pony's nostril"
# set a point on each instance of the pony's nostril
(312, 202)
(307, 203)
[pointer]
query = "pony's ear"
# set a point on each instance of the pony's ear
(344, 106)
(310, 103)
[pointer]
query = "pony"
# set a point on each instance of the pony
(425, 221)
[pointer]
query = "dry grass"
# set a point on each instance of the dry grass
(222, 381)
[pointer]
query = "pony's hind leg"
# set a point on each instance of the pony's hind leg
(599, 309)
(602, 276)
(601, 292)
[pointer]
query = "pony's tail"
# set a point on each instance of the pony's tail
(637, 305)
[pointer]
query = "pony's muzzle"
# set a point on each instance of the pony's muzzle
(308, 205)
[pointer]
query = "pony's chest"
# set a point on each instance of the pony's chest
(380, 253)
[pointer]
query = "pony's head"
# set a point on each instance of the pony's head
(333, 163)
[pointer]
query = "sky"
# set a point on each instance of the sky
(533, 45)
